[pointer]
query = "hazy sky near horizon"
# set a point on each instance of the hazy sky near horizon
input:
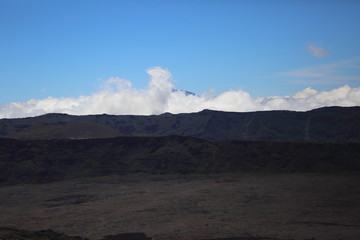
(125, 57)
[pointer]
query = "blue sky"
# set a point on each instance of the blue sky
(68, 49)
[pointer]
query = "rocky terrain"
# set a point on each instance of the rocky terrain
(42, 161)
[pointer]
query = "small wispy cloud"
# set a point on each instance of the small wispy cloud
(316, 49)
(341, 72)
(117, 96)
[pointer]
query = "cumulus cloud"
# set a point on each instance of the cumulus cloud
(117, 96)
(316, 49)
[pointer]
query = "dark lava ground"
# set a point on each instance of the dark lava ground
(242, 206)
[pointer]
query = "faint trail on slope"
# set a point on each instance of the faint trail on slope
(246, 128)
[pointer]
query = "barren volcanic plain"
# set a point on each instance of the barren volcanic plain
(217, 206)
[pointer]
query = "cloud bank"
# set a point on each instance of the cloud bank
(117, 96)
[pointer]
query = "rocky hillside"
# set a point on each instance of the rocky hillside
(38, 161)
(63, 130)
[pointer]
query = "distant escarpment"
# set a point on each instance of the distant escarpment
(40, 161)
(330, 124)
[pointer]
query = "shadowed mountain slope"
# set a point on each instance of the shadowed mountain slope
(73, 130)
(37, 161)
(330, 124)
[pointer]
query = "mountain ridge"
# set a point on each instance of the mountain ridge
(329, 124)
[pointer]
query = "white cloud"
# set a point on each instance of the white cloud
(115, 84)
(307, 92)
(308, 99)
(317, 50)
(117, 96)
